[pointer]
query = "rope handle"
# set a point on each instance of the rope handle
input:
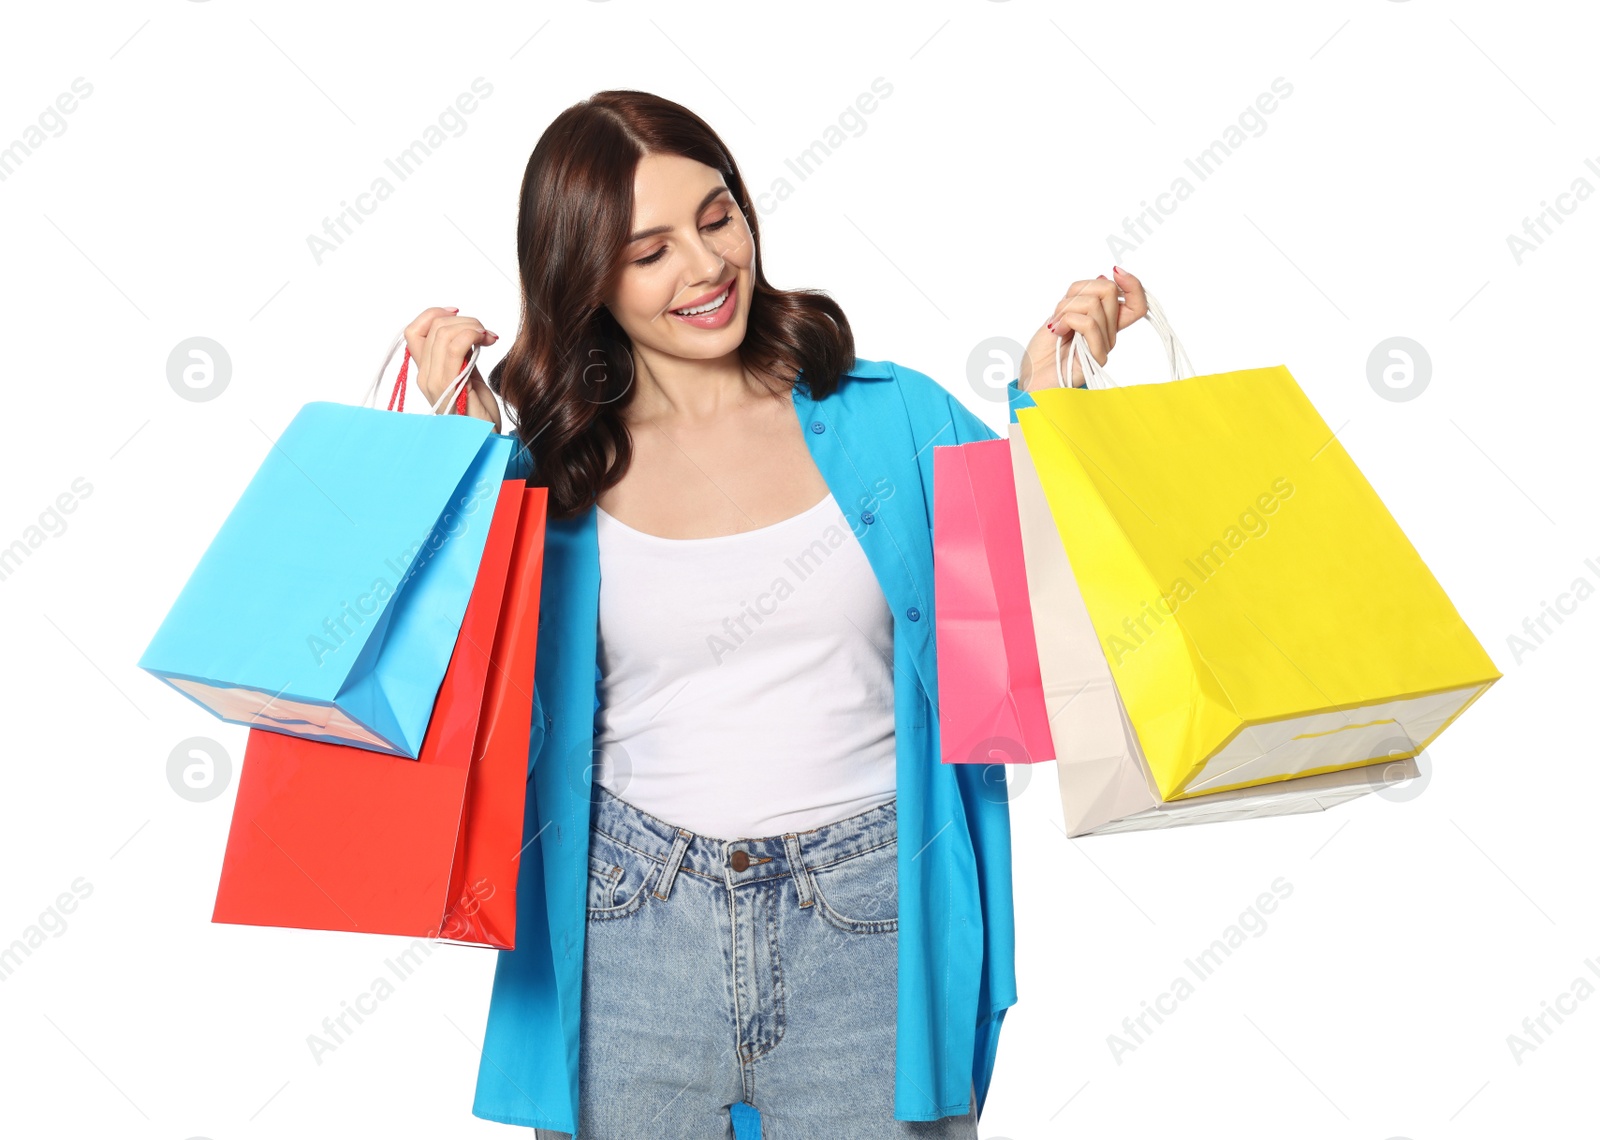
(457, 388)
(397, 398)
(1095, 374)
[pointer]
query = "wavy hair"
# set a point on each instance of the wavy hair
(569, 374)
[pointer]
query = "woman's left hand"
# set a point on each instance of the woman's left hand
(1091, 310)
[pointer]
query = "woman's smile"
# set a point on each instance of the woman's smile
(713, 311)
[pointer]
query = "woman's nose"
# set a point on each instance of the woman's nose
(709, 261)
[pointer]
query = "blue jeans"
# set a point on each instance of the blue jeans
(725, 976)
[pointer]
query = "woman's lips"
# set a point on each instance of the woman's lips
(717, 317)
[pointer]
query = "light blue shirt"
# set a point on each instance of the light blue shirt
(873, 441)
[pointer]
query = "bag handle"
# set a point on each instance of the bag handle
(397, 397)
(1095, 374)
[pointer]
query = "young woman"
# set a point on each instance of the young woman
(748, 880)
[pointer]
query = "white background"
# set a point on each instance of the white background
(1376, 203)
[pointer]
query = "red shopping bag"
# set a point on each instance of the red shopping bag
(991, 698)
(483, 883)
(332, 837)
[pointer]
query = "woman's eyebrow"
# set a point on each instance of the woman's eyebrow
(704, 202)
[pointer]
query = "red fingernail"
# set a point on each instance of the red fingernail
(1051, 325)
(455, 310)
(1118, 269)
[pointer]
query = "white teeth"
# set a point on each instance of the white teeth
(707, 308)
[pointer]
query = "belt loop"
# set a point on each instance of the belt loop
(797, 868)
(669, 872)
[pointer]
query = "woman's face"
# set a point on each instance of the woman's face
(690, 243)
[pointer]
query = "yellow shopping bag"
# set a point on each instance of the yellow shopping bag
(1262, 613)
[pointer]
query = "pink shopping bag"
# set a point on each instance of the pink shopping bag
(991, 699)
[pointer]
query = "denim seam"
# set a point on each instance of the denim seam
(852, 925)
(779, 990)
(624, 843)
(623, 909)
(852, 855)
(738, 1018)
(798, 871)
(611, 873)
(856, 925)
(669, 870)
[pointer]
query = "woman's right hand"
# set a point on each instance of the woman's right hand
(439, 340)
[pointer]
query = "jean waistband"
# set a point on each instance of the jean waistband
(747, 859)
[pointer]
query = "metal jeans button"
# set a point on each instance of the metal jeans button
(739, 860)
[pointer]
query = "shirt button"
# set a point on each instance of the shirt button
(914, 614)
(818, 426)
(866, 517)
(740, 860)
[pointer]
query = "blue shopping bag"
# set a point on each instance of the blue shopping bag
(328, 604)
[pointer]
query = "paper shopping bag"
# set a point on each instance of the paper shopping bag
(483, 890)
(327, 604)
(991, 702)
(1262, 614)
(335, 837)
(1105, 784)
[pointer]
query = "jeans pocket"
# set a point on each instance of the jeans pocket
(860, 893)
(618, 877)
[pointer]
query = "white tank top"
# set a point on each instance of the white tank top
(747, 680)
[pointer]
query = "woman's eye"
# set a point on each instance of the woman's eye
(660, 253)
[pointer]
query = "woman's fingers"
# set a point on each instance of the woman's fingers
(1110, 309)
(419, 336)
(1089, 326)
(440, 340)
(444, 353)
(1135, 305)
(480, 400)
(1095, 309)
(1097, 297)
(417, 331)
(445, 349)
(1081, 296)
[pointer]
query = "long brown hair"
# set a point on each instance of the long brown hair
(569, 374)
